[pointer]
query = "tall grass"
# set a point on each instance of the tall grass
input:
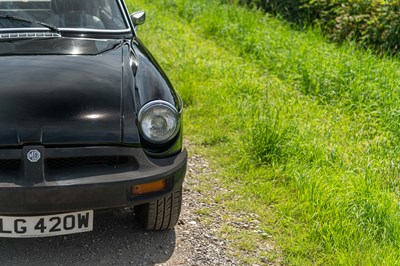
(302, 132)
(267, 140)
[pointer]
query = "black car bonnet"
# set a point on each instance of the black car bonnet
(68, 98)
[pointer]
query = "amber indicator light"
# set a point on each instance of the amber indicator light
(149, 187)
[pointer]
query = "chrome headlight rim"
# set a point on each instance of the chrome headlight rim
(152, 104)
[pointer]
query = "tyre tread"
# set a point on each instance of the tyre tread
(161, 214)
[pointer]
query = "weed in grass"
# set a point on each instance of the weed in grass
(267, 138)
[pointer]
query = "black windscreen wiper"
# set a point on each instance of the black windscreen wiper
(49, 26)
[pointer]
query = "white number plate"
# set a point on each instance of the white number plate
(49, 225)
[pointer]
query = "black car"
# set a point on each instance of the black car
(88, 120)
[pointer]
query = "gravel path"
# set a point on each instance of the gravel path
(118, 240)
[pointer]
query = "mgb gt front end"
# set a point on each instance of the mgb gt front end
(88, 120)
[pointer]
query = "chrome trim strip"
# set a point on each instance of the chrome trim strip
(18, 10)
(29, 1)
(128, 19)
(29, 35)
(86, 30)
(124, 10)
(24, 29)
(83, 30)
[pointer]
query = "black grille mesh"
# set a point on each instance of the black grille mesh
(57, 163)
(10, 165)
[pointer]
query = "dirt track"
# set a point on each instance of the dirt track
(118, 240)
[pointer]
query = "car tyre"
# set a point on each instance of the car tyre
(161, 214)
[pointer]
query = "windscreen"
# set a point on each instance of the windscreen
(71, 14)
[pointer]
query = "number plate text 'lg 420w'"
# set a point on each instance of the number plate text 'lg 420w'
(49, 225)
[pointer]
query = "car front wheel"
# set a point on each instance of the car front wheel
(160, 214)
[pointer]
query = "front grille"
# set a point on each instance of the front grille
(80, 167)
(58, 163)
(10, 165)
(10, 170)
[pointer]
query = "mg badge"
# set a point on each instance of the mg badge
(33, 156)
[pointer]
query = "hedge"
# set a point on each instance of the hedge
(371, 23)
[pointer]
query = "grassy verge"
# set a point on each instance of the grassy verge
(303, 133)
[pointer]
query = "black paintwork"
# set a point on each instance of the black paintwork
(56, 46)
(70, 91)
(96, 189)
(73, 97)
(150, 75)
(60, 99)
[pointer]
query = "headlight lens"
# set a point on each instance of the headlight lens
(158, 121)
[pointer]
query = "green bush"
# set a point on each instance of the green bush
(371, 23)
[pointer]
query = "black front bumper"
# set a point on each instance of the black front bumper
(72, 179)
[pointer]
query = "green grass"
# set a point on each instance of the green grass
(302, 132)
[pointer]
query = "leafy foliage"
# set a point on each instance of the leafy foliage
(371, 23)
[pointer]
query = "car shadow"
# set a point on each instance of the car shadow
(116, 240)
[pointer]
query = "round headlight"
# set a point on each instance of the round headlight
(158, 121)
